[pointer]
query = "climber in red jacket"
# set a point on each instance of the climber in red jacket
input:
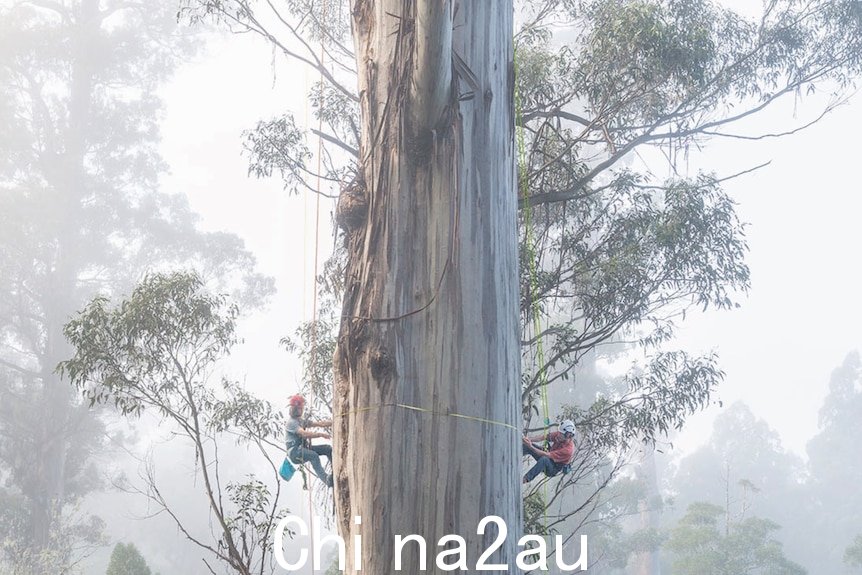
(557, 457)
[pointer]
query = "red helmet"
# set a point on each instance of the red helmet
(297, 401)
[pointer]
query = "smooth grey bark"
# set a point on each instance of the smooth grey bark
(431, 294)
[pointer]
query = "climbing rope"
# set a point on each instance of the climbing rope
(313, 338)
(532, 263)
(531, 256)
(417, 409)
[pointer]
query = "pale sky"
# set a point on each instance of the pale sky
(210, 102)
(804, 312)
(801, 318)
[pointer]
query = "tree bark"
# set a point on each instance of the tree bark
(430, 325)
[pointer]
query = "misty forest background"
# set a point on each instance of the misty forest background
(154, 447)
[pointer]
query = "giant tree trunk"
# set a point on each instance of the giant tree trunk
(431, 296)
(68, 182)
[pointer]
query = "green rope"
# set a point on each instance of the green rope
(532, 262)
(531, 256)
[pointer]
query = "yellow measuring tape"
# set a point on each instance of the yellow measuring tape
(429, 411)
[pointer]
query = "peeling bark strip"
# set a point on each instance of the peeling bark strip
(432, 248)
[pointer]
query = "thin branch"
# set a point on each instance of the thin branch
(333, 140)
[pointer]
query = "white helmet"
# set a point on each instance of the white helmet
(568, 426)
